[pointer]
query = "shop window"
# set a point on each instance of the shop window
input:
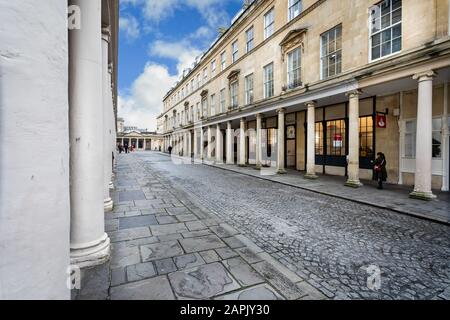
(336, 138)
(271, 140)
(410, 139)
(437, 138)
(366, 137)
(319, 138)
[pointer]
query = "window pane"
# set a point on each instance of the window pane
(386, 48)
(397, 31)
(385, 21)
(397, 45)
(376, 52)
(396, 4)
(396, 16)
(437, 124)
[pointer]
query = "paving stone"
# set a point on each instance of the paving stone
(285, 286)
(131, 195)
(170, 237)
(195, 226)
(157, 251)
(193, 234)
(226, 253)
(95, 283)
(202, 282)
(166, 220)
(309, 292)
(188, 261)
(152, 211)
(140, 271)
(224, 230)
(260, 292)
(233, 242)
(165, 266)
(118, 276)
(129, 234)
(140, 221)
(132, 213)
(178, 211)
(165, 229)
(242, 272)
(111, 225)
(123, 257)
(157, 288)
(201, 243)
(186, 217)
(210, 256)
(248, 255)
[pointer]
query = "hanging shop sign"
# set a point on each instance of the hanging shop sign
(381, 120)
(337, 140)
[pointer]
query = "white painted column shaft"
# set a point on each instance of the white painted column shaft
(353, 140)
(422, 178)
(242, 146)
(445, 137)
(229, 148)
(258, 141)
(210, 144)
(219, 144)
(280, 144)
(107, 104)
(90, 244)
(311, 143)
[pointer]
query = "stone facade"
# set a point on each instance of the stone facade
(323, 55)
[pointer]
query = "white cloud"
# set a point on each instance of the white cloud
(130, 26)
(144, 102)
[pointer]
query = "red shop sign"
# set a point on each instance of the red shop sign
(381, 121)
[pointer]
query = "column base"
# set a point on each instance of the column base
(427, 196)
(242, 165)
(108, 205)
(111, 186)
(92, 255)
(281, 171)
(353, 184)
(258, 167)
(310, 176)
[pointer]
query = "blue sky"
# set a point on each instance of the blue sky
(158, 39)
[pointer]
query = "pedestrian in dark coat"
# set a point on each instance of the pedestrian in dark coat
(170, 150)
(380, 169)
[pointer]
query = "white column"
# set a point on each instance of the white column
(229, 148)
(353, 140)
(445, 133)
(107, 104)
(311, 143)
(280, 144)
(90, 245)
(195, 143)
(219, 144)
(202, 144)
(258, 141)
(422, 178)
(209, 150)
(242, 149)
(34, 146)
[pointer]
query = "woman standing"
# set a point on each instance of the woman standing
(380, 169)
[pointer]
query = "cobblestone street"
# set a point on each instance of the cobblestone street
(194, 231)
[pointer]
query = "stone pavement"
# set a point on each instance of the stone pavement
(393, 197)
(165, 246)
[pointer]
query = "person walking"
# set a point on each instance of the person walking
(126, 148)
(170, 150)
(380, 169)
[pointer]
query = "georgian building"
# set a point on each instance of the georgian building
(321, 86)
(58, 107)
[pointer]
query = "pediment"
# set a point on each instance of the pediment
(204, 93)
(233, 75)
(293, 39)
(133, 133)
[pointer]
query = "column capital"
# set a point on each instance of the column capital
(424, 76)
(311, 103)
(259, 115)
(242, 119)
(281, 110)
(354, 93)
